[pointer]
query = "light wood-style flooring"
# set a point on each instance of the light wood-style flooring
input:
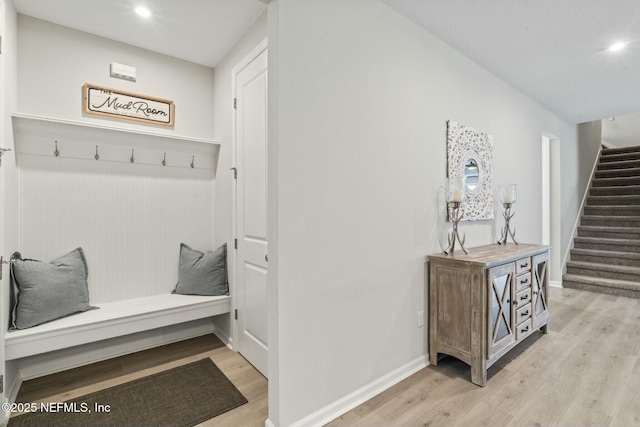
(585, 372)
(87, 379)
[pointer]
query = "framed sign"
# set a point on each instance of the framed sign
(125, 105)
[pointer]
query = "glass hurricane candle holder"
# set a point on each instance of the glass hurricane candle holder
(507, 195)
(455, 196)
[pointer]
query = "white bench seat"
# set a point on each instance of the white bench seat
(113, 320)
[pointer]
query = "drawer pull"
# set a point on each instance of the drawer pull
(524, 297)
(535, 292)
(525, 265)
(525, 329)
(524, 282)
(526, 313)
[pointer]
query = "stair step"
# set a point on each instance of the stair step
(619, 164)
(620, 150)
(606, 253)
(604, 158)
(602, 285)
(609, 232)
(612, 210)
(618, 272)
(617, 173)
(615, 181)
(606, 257)
(611, 200)
(612, 245)
(607, 221)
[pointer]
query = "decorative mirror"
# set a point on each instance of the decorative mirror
(469, 156)
(471, 175)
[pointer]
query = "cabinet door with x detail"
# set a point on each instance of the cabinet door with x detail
(540, 294)
(501, 330)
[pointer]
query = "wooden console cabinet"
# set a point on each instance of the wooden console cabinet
(483, 304)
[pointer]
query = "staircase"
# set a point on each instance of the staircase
(606, 254)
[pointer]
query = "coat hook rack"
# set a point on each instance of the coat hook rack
(97, 156)
(193, 158)
(132, 159)
(164, 160)
(56, 152)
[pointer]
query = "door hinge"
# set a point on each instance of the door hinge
(0, 45)
(235, 172)
(1, 383)
(236, 314)
(235, 103)
(235, 243)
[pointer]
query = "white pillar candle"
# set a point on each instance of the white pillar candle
(456, 195)
(508, 198)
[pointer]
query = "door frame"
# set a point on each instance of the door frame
(546, 190)
(233, 264)
(550, 203)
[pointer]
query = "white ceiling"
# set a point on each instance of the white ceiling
(200, 31)
(553, 51)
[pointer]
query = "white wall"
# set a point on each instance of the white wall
(8, 188)
(578, 159)
(623, 131)
(362, 96)
(222, 132)
(557, 254)
(56, 61)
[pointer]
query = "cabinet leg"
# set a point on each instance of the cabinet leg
(479, 374)
(545, 329)
(433, 357)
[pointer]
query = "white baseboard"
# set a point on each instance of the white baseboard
(268, 423)
(555, 284)
(226, 340)
(358, 397)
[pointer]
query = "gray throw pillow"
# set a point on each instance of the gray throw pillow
(44, 292)
(202, 273)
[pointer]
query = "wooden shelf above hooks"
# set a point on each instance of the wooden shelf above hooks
(47, 136)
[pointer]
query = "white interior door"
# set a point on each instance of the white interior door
(251, 210)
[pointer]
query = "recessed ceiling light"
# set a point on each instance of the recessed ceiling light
(618, 46)
(143, 11)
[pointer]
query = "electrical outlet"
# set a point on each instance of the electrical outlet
(420, 319)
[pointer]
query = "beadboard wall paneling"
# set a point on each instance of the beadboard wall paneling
(129, 218)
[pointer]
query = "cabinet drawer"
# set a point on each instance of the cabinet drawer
(523, 313)
(523, 265)
(523, 281)
(522, 298)
(523, 329)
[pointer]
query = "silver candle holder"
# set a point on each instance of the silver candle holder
(507, 194)
(455, 196)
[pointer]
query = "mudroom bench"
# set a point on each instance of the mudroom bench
(112, 320)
